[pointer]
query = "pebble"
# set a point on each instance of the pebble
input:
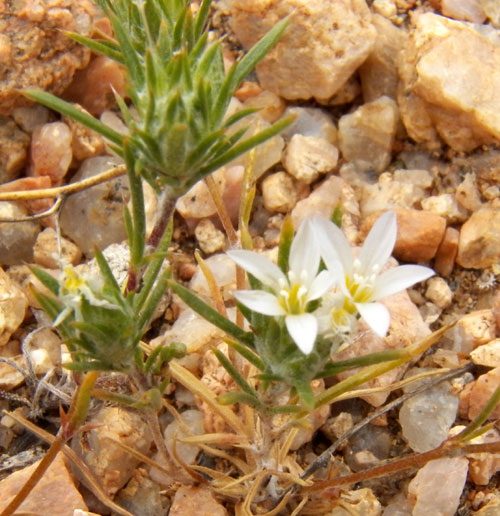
(270, 106)
(14, 145)
(92, 86)
(197, 500)
(55, 493)
(187, 453)
(398, 505)
(44, 350)
(13, 305)
(16, 240)
(141, 496)
(437, 487)
(479, 243)
(210, 239)
(28, 118)
(358, 502)
(492, 11)
(85, 143)
(112, 465)
(417, 177)
(45, 250)
(306, 157)
(467, 10)
(426, 418)
(310, 122)
(443, 94)
(10, 377)
(367, 134)
(310, 59)
(472, 330)
(93, 218)
(419, 234)
(51, 152)
(439, 292)
(280, 192)
(477, 395)
(379, 72)
(482, 466)
(447, 252)
(224, 272)
(467, 193)
(446, 206)
(487, 355)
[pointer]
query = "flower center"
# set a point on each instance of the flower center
(293, 296)
(360, 284)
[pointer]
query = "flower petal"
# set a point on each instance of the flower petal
(321, 284)
(260, 301)
(380, 242)
(259, 266)
(376, 315)
(334, 246)
(399, 278)
(303, 329)
(304, 252)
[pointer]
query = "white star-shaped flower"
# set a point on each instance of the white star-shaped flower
(360, 279)
(288, 294)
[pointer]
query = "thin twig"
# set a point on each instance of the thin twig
(47, 213)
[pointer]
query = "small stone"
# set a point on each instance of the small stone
(491, 9)
(439, 292)
(386, 8)
(196, 500)
(51, 152)
(13, 305)
(358, 502)
(10, 377)
(479, 244)
(426, 418)
(174, 433)
(45, 250)
(93, 218)
(482, 466)
(141, 496)
(437, 487)
(310, 122)
(270, 106)
(210, 239)
(224, 272)
(367, 134)
(446, 206)
(447, 252)
(85, 143)
(306, 157)
(417, 177)
(44, 348)
(310, 59)
(92, 87)
(55, 493)
(279, 192)
(29, 117)
(379, 73)
(111, 464)
(487, 355)
(467, 10)
(467, 193)
(472, 330)
(480, 392)
(14, 145)
(419, 234)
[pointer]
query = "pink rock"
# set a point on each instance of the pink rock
(447, 252)
(196, 500)
(473, 330)
(51, 152)
(484, 465)
(481, 391)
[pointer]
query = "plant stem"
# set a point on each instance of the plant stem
(166, 211)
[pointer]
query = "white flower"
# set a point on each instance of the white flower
(289, 294)
(359, 278)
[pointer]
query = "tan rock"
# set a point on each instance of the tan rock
(481, 391)
(379, 73)
(446, 206)
(85, 143)
(491, 9)
(487, 354)
(473, 330)
(310, 122)
(419, 234)
(210, 239)
(55, 494)
(479, 244)
(439, 292)
(11, 377)
(306, 157)
(279, 192)
(196, 500)
(319, 51)
(443, 93)
(467, 193)
(447, 252)
(14, 145)
(367, 134)
(468, 10)
(482, 466)
(45, 250)
(13, 304)
(270, 106)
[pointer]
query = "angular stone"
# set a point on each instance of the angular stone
(196, 500)
(487, 355)
(437, 487)
(467, 193)
(279, 192)
(85, 143)
(473, 330)
(270, 106)
(55, 493)
(491, 9)
(446, 206)
(210, 239)
(379, 72)
(29, 117)
(310, 122)
(479, 244)
(320, 50)
(443, 93)
(480, 393)
(45, 250)
(482, 466)
(306, 157)
(367, 134)
(439, 292)
(467, 10)
(447, 252)
(14, 145)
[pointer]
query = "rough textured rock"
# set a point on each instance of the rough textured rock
(437, 487)
(487, 354)
(467, 10)
(379, 73)
(446, 206)
(13, 304)
(34, 51)
(479, 244)
(14, 145)
(447, 252)
(279, 192)
(322, 47)
(196, 500)
(210, 239)
(473, 329)
(29, 117)
(310, 122)
(480, 392)
(439, 292)
(443, 94)
(45, 250)
(367, 134)
(482, 466)
(306, 157)
(55, 494)
(94, 217)
(110, 463)
(85, 143)
(270, 106)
